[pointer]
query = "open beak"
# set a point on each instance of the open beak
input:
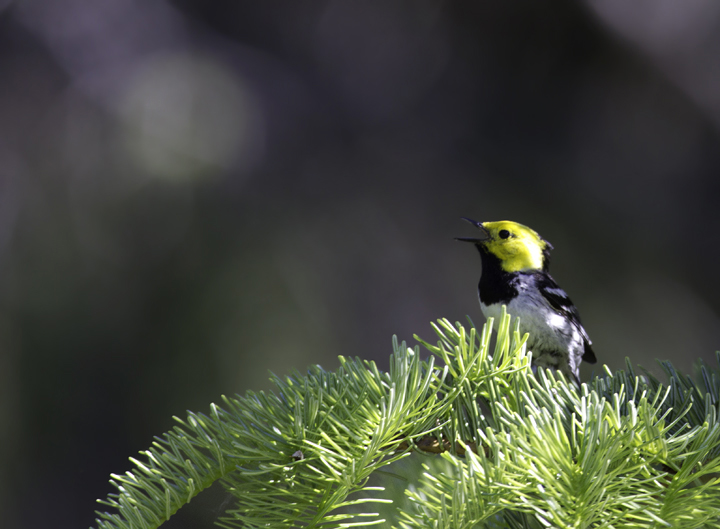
(484, 236)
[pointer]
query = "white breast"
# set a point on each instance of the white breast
(549, 331)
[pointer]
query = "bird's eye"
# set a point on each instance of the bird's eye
(504, 234)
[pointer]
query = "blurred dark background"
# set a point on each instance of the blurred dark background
(193, 193)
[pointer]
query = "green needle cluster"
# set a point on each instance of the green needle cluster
(518, 450)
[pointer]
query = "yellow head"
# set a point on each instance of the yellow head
(517, 247)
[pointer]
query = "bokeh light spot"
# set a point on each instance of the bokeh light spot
(187, 117)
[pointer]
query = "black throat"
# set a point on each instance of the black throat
(496, 285)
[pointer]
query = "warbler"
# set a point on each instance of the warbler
(515, 261)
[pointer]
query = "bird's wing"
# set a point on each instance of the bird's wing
(561, 303)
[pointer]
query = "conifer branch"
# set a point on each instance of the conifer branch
(518, 449)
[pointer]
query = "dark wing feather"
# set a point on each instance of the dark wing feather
(559, 300)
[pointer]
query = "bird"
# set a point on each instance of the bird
(515, 261)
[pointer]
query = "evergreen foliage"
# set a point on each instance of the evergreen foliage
(519, 450)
